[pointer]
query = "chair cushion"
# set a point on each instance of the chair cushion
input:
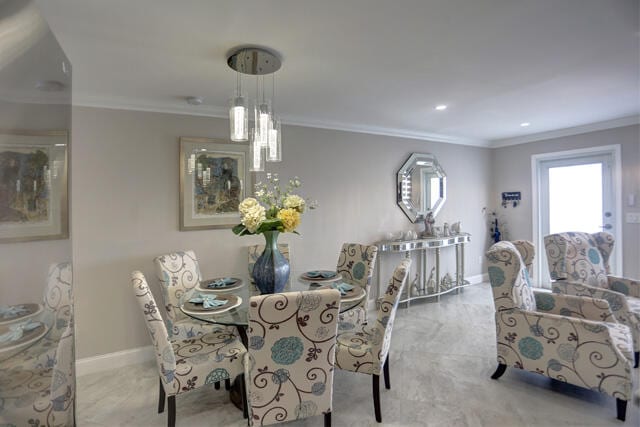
(354, 350)
(204, 359)
(352, 319)
(622, 340)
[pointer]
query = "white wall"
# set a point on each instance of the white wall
(512, 172)
(125, 185)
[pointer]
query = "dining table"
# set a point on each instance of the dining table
(238, 292)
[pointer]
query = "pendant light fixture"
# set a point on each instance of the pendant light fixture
(261, 128)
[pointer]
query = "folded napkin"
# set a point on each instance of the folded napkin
(16, 331)
(323, 274)
(342, 287)
(7, 311)
(208, 301)
(220, 283)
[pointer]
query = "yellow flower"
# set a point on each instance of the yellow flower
(290, 219)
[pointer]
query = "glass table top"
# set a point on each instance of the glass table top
(238, 316)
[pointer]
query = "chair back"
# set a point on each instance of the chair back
(165, 357)
(527, 252)
(178, 273)
(387, 308)
(292, 339)
(356, 264)
(58, 300)
(577, 257)
(63, 385)
(256, 250)
(509, 278)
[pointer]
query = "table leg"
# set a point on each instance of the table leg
(235, 394)
(438, 273)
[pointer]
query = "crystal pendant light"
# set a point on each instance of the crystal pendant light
(262, 114)
(239, 115)
(274, 141)
(256, 155)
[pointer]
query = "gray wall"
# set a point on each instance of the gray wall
(512, 172)
(125, 187)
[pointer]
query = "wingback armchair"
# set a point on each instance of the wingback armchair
(564, 337)
(579, 265)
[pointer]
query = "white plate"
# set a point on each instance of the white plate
(33, 310)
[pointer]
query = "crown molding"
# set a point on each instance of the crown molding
(559, 133)
(125, 103)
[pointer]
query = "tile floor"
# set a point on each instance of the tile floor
(442, 356)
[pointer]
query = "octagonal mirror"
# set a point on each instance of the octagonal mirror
(422, 186)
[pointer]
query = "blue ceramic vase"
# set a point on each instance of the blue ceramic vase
(271, 270)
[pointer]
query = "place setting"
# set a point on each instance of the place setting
(17, 336)
(318, 276)
(348, 292)
(220, 284)
(201, 303)
(15, 313)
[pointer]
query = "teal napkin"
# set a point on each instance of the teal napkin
(7, 311)
(207, 301)
(220, 283)
(342, 287)
(17, 331)
(324, 274)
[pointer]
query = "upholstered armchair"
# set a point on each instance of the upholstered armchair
(290, 360)
(186, 364)
(256, 250)
(179, 274)
(356, 264)
(579, 265)
(564, 337)
(366, 348)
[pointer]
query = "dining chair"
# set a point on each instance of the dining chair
(56, 314)
(579, 265)
(179, 274)
(365, 349)
(356, 263)
(290, 359)
(186, 364)
(255, 251)
(567, 338)
(42, 394)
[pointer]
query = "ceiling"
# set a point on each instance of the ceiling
(367, 65)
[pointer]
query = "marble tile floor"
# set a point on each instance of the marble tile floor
(442, 357)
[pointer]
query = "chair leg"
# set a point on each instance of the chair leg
(172, 411)
(637, 356)
(387, 380)
(376, 397)
(227, 384)
(216, 385)
(621, 406)
(245, 401)
(327, 419)
(161, 399)
(498, 373)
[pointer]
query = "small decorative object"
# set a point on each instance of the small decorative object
(496, 231)
(456, 228)
(389, 236)
(445, 230)
(270, 213)
(431, 283)
(428, 225)
(446, 282)
(410, 235)
(437, 231)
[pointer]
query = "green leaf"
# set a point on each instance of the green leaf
(240, 230)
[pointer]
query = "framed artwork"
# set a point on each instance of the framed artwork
(33, 186)
(214, 178)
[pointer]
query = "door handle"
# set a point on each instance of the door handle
(607, 226)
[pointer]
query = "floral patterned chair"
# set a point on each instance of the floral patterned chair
(37, 385)
(179, 273)
(186, 364)
(568, 338)
(579, 265)
(356, 264)
(256, 250)
(366, 349)
(290, 360)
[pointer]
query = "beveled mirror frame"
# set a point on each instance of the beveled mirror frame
(412, 192)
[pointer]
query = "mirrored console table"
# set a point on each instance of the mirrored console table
(422, 286)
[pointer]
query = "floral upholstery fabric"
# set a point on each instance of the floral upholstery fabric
(527, 252)
(190, 363)
(291, 355)
(356, 264)
(179, 273)
(575, 346)
(365, 349)
(37, 386)
(583, 260)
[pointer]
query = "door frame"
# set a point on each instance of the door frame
(536, 160)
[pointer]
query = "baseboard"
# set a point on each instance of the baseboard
(109, 361)
(478, 278)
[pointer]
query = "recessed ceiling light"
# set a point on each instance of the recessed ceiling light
(441, 107)
(50, 86)
(525, 124)
(195, 100)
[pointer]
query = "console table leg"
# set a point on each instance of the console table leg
(438, 273)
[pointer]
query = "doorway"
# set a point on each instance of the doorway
(577, 190)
